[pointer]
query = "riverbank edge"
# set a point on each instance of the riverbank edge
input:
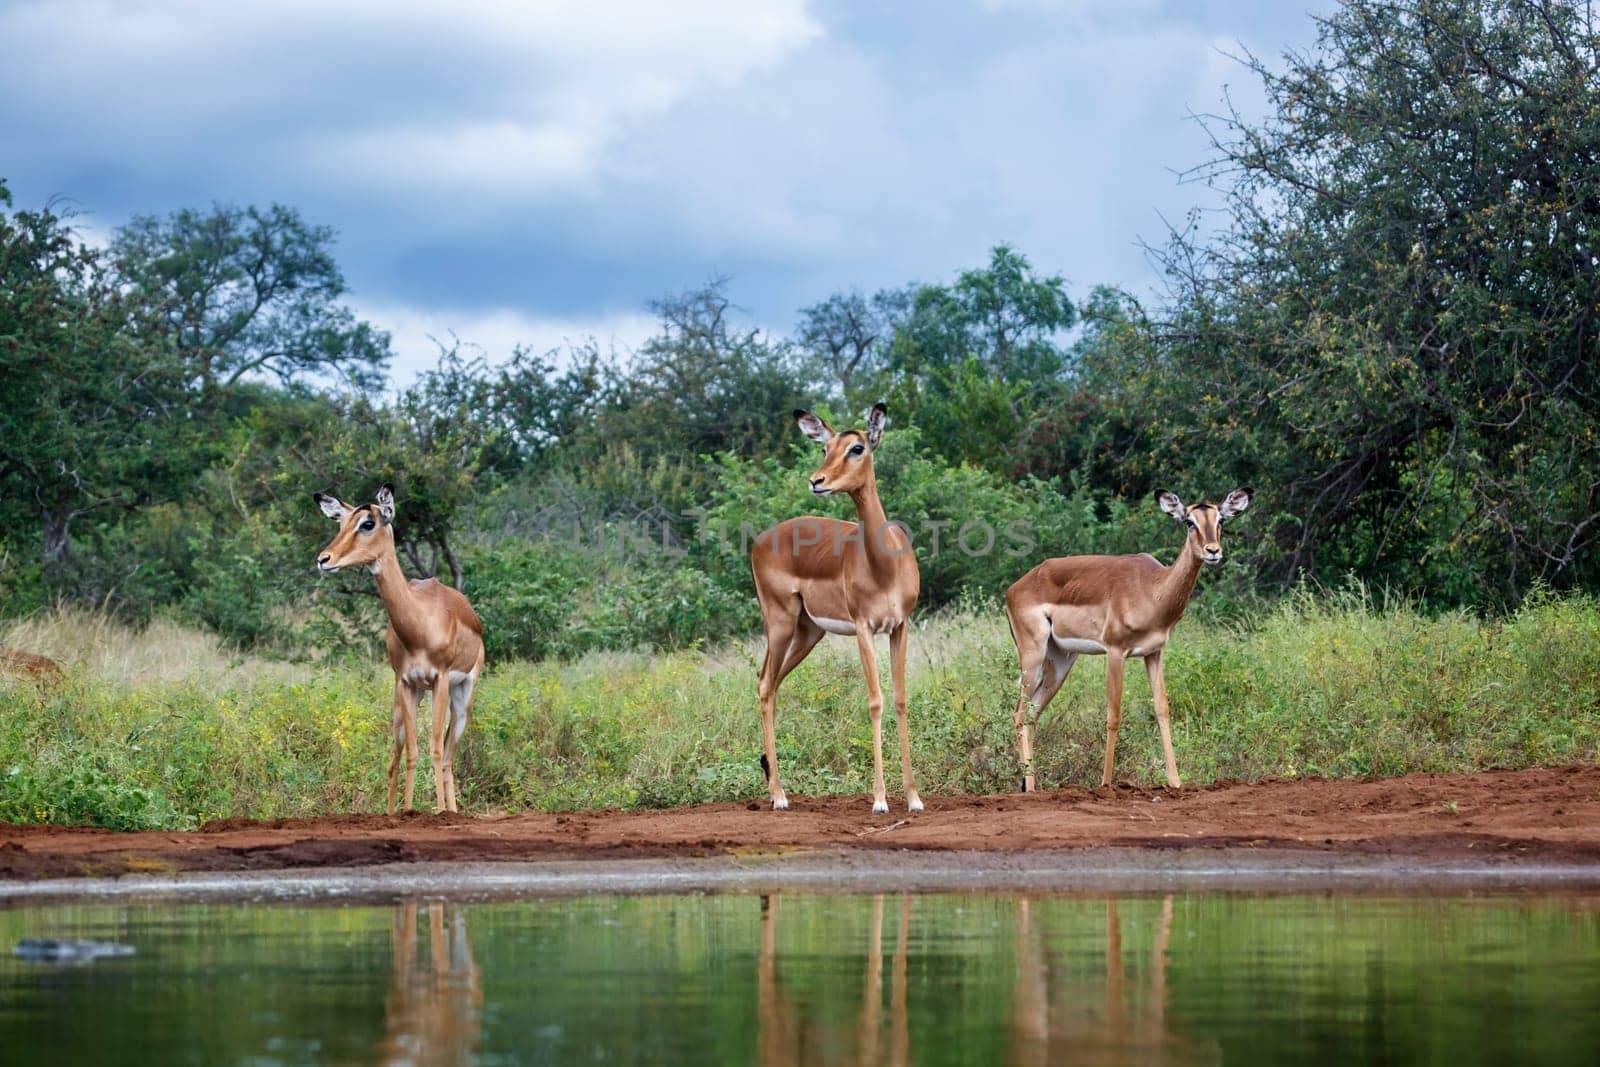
(1090, 871)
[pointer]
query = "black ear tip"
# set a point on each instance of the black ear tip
(1247, 491)
(317, 497)
(800, 413)
(1162, 492)
(387, 488)
(881, 408)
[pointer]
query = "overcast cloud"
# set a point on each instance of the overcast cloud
(539, 171)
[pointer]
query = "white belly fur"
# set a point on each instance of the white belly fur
(1080, 645)
(834, 626)
(423, 677)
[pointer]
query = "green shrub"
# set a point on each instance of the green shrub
(551, 598)
(84, 796)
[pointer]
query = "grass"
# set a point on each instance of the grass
(163, 729)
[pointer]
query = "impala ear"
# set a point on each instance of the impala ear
(877, 420)
(1172, 505)
(1235, 502)
(386, 503)
(813, 427)
(331, 506)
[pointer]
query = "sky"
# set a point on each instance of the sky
(538, 172)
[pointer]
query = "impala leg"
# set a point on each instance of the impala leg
(872, 998)
(898, 642)
(398, 725)
(869, 664)
(1114, 970)
(900, 1044)
(403, 933)
(777, 1043)
(1114, 664)
(405, 701)
(1158, 963)
(460, 714)
(1052, 676)
(806, 636)
(1044, 670)
(779, 634)
(1155, 669)
(437, 952)
(1019, 718)
(1030, 654)
(441, 716)
(804, 639)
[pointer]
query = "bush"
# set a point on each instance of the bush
(84, 796)
(542, 599)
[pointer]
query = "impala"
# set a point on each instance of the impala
(815, 576)
(1112, 606)
(435, 640)
(1058, 1013)
(434, 1010)
(790, 1033)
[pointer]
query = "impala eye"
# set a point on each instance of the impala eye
(858, 449)
(1192, 526)
(368, 526)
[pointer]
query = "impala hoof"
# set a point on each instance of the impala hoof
(914, 804)
(880, 807)
(780, 803)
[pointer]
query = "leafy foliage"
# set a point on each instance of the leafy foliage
(246, 292)
(1397, 330)
(974, 359)
(1390, 336)
(90, 417)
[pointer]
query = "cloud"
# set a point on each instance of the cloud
(846, 167)
(1081, 10)
(464, 99)
(516, 171)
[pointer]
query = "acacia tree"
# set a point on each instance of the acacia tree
(249, 292)
(1397, 331)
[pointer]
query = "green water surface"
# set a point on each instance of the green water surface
(817, 979)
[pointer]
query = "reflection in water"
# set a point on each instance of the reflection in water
(789, 1034)
(1059, 1012)
(434, 1010)
(839, 979)
(1057, 1016)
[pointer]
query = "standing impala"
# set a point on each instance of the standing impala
(1111, 606)
(435, 640)
(816, 576)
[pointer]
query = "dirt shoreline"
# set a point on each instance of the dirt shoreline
(1547, 817)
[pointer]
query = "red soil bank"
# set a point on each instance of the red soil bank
(1550, 814)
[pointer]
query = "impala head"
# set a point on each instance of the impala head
(1205, 520)
(365, 533)
(846, 455)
